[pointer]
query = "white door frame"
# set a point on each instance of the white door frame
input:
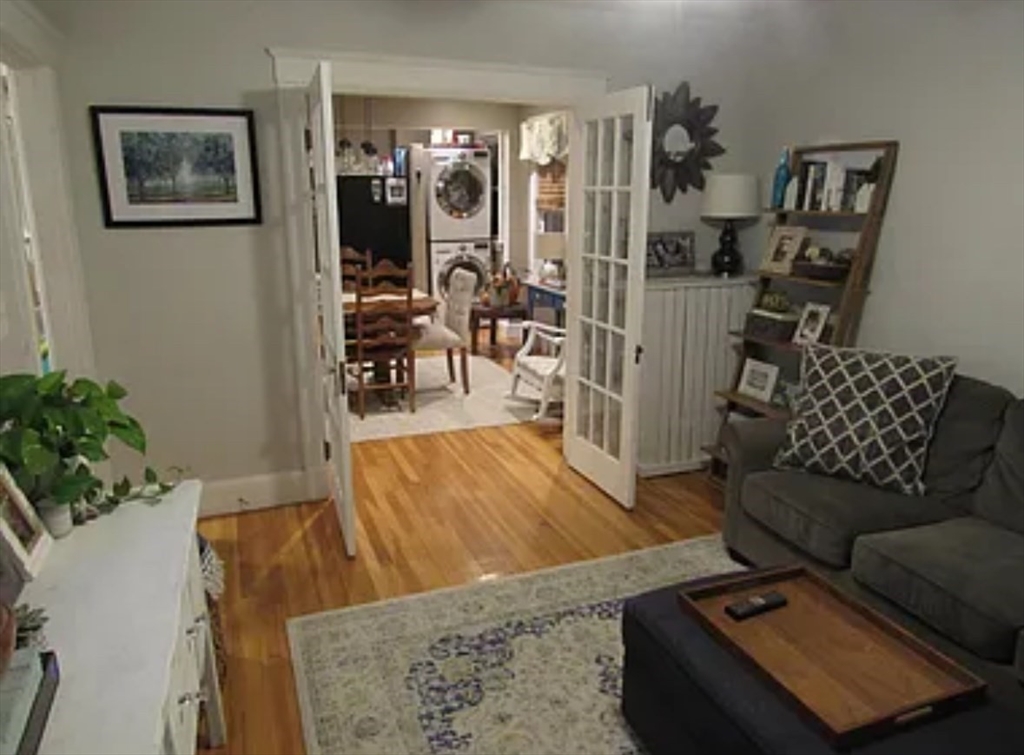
(384, 75)
(504, 186)
(30, 46)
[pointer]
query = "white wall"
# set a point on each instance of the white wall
(196, 322)
(946, 79)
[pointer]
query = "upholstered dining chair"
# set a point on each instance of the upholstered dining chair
(450, 329)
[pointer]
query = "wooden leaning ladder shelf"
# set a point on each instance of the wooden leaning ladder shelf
(852, 290)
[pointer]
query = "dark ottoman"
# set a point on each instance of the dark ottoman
(683, 693)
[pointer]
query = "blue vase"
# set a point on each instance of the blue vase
(781, 181)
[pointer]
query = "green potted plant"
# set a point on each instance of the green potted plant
(52, 430)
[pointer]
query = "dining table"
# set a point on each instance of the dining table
(422, 303)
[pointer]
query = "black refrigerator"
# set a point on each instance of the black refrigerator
(373, 213)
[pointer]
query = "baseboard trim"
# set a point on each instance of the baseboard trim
(658, 469)
(239, 494)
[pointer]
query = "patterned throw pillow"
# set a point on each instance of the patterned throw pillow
(866, 416)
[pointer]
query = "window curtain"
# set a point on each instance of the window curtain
(544, 138)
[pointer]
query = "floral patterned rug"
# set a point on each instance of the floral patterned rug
(528, 664)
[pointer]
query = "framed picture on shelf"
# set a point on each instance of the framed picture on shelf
(395, 192)
(784, 244)
(22, 533)
(758, 379)
(161, 166)
(812, 323)
(671, 253)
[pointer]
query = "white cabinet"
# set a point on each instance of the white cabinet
(128, 621)
(688, 355)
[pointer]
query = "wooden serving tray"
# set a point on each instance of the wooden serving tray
(854, 674)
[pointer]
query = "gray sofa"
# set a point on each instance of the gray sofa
(948, 565)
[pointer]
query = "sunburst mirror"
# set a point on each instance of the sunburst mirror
(683, 142)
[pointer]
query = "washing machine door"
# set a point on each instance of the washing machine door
(461, 189)
(464, 262)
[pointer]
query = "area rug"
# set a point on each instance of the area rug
(526, 665)
(442, 406)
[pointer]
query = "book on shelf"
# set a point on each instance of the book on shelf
(853, 180)
(828, 186)
(832, 197)
(813, 175)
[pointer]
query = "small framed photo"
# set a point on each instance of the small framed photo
(785, 243)
(162, 166)
(22, 533)
(758, 379)
(671, 253)
(812, 323)
(395, 193)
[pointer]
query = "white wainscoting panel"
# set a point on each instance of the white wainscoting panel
(688, 354)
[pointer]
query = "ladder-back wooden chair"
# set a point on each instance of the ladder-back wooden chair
(352, 262)
(384, 332)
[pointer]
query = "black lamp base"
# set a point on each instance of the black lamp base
(727, 261)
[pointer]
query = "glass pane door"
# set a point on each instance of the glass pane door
(608, 206)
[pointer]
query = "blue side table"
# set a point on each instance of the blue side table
(546, 295)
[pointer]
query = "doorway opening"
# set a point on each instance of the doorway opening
(442, 186)
(607, 202)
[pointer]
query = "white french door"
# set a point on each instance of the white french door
(323, 211)
(610, 148)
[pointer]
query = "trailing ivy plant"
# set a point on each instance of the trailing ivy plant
(51, 431)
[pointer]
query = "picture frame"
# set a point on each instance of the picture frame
(758, 379)
(784, 245)
(395, 193)
(813, 320)
(671, 253)
(23, 535)
(169, 166)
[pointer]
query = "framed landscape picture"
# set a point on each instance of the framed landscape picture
(163, 166)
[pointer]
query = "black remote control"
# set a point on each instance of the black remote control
(755, 605)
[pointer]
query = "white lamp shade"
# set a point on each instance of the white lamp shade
(550, 246)
(731, 195)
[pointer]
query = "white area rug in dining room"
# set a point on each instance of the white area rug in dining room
(441, 406)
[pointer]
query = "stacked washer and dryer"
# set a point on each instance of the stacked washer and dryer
(460, 214)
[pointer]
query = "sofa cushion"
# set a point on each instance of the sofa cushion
(962, 576)
(866, 416)
(1000, 499)
(965, 437)
(822, 515)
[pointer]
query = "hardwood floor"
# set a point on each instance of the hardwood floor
(434, 511)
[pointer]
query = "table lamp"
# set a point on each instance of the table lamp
(730, 197)
(550, 247)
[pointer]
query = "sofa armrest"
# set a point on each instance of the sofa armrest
(749, 446)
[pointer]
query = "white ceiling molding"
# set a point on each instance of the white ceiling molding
(27, 38)
(430, 77)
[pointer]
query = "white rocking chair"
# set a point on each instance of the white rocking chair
(546, 373)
